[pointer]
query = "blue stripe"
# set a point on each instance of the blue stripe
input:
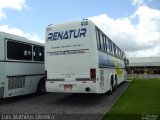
(108, 61)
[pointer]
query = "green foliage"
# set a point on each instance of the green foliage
(141, 97)
(129, 70)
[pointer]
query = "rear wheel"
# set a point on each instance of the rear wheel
(115, 86)
(41, 88)
(111, 87)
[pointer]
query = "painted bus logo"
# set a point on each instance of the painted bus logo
(63, 35)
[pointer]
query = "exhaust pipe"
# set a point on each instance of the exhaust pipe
(87, 89)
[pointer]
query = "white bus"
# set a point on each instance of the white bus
(21, 66)
(80, 58)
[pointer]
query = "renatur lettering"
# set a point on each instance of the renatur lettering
(63, 35)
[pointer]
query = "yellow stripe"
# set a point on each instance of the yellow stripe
(119, 71)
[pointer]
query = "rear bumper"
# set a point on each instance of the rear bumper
(77, 87)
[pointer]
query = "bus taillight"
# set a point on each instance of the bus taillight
(93, 74)
(46, 75)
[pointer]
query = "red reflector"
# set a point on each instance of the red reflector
(93, 73)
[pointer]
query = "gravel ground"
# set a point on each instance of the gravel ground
(60, 106)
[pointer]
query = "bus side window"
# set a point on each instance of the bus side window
(119, 56)
(101, 39)
(38, 53)
(107, 44)
(104, 43)
(115, 50)
(98, 41)
(18, 51)
(111, 47)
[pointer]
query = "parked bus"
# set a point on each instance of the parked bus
(21, 66)
(80, 58)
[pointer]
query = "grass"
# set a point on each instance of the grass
(142, 97)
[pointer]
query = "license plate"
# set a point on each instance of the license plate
(68, 87)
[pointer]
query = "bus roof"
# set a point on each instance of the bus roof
(70, 22)
(19, 38)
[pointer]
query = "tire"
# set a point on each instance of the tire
(115, 86)
(41, 88)
(111, 87)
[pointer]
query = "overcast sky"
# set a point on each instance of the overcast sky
(134, 25)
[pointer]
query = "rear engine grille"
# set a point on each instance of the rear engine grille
(16, 82)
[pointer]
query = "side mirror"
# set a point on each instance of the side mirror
(126, 61)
